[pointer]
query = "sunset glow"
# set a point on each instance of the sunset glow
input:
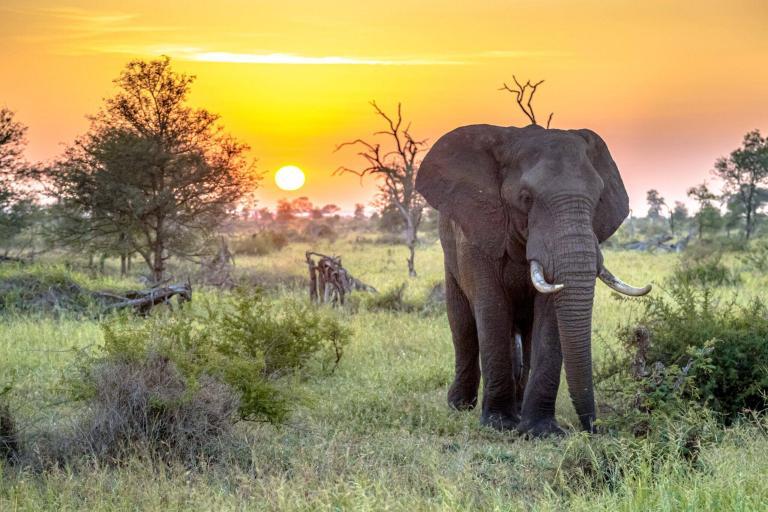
(671, 86)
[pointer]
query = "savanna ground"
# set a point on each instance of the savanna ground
(377, 434)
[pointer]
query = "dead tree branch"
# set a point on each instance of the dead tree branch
(142, 301)
(524, 97)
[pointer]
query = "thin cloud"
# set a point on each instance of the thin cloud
(290, 58)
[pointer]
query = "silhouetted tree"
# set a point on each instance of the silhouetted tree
(743, 173)
(284, 211)
(359, 211)
(17, 210)
(154, 174)
(396, 171)
(265, 215)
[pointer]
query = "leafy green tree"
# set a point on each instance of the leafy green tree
(679, 215)
(655, 203)
(744, 173)
(17, 211)
(708, 216)
(152, 173)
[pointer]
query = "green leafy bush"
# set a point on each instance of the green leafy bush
(722, 346)
(247, 342)
(756, 258)
(704, 270)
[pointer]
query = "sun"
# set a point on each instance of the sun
(289, 177)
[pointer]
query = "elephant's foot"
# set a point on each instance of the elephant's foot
(541, 428)
(499, 421)
(462, 398)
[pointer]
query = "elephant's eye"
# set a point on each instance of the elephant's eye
(526, 200)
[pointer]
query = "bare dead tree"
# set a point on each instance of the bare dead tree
(396, 170)
(524, 97)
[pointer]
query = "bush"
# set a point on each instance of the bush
(146, 404)
(704, 270)
(43, 290)
(260, 244)
(722, 344)
(247, 342)
(756, 258)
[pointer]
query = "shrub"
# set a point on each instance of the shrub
(43, 290)
(260, 244)
(146, 403)
(756, 258)
(247, 342)
(704, 270)
(722, 343)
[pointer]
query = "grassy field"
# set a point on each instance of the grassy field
(377, 434)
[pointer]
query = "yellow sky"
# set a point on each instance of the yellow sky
(671, 85)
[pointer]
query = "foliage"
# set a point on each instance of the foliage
(756, 257)
(262, 243)
(44, 289)
(703, 267)
(722, 344)
(247, 342)
(745, 173)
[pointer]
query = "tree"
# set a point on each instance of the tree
(743, 172)
(655, 203)
(359, 211)
(708, 215)
(152, 175)
(396, 171)
(17, 210)
(265, 215)
(12, 142)
(679, 214)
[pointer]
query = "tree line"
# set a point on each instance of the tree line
(744, 178)
(155, 178)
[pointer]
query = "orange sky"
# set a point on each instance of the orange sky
(671, 85)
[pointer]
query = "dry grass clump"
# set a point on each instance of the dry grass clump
(147, 403)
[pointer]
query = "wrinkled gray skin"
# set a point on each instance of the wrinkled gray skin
(507, 196)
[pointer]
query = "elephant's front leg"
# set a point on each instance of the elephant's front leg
(494, 329)
(538, 417)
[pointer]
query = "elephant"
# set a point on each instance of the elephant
(522, 212)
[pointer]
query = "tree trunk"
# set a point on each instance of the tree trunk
(123, 265)
(410, 240)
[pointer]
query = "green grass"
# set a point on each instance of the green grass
(377, 434)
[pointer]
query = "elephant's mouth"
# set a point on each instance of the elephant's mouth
(605, 275)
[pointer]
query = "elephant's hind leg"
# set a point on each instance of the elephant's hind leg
(463, 392)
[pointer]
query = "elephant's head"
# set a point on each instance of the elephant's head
(552, 195)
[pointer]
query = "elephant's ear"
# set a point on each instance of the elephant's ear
(613, 206)
(460, 178)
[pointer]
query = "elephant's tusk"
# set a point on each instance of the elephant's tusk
(541, 284)
(620, 286)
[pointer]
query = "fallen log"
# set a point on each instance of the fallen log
(142, 301)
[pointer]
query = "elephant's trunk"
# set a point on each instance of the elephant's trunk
(574, 259)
